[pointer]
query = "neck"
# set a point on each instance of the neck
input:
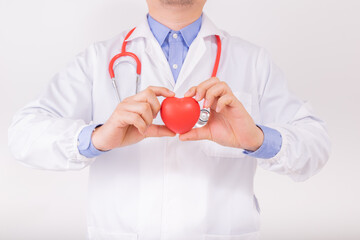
(175, 18)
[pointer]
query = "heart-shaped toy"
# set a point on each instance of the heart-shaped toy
(180, 114)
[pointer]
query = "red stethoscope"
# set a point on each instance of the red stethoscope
(204, 113)
(124, 53)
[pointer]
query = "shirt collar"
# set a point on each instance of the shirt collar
(207, 29)
(190, 32)
(160, 31)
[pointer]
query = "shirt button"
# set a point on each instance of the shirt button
(175, 66)
(175, 35)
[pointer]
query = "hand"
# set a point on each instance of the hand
(132, 120)
(229, 124)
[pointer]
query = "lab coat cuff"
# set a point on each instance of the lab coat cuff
(271, 144)
(76, 158)
(278, 159)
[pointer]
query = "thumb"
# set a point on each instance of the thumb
(159, 131)
(196, 134)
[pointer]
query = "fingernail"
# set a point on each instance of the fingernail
(217, 109)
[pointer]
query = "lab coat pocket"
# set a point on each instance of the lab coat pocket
(213, 149)
(246, 236)
(99, 234)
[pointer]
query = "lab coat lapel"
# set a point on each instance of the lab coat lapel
(153, 50)
(159, 61)
(196, 52)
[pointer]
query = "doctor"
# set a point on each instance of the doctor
(146, 183)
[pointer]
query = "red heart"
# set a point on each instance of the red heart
(180, 114)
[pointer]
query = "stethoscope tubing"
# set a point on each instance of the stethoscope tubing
(205, 113)
(124, 53)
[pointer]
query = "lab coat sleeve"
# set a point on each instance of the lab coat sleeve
(44, 133)
(305, 143)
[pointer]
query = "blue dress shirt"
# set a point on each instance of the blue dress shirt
(175, 45)
(85, 145)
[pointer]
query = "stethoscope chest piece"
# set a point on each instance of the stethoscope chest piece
(204, 117)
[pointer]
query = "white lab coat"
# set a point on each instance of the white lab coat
(161, 188)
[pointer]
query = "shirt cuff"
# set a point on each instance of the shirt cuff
(271, 145)
(85, 145)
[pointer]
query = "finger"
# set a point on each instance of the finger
(217, 90)
(196, 134)
(150, 94)
(141, 108)
(224, 101)
(159, 131)
(203, 87)
(161, 91)
(191, 92)
(130, 118)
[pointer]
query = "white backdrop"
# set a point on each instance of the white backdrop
(316, 43)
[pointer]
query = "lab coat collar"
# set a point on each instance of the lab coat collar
(208, 28)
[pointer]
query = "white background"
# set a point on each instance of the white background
(316, 43)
